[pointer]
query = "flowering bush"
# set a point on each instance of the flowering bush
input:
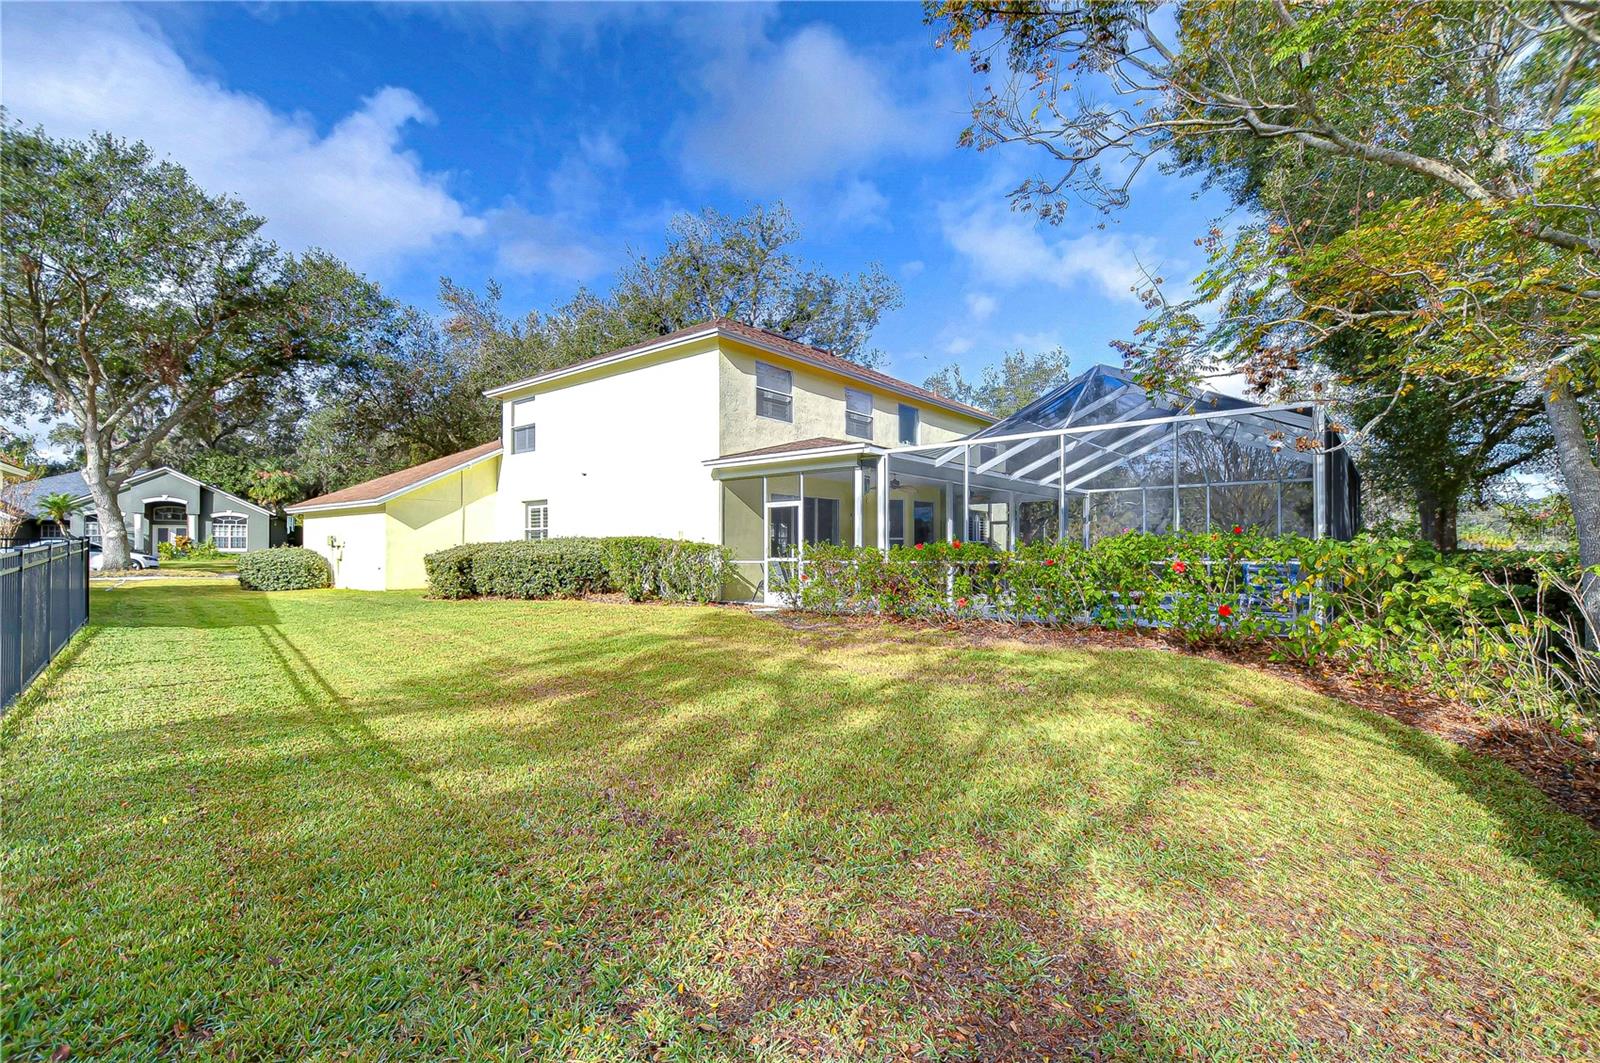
(1500, 631)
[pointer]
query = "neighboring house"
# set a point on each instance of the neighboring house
(661, 438)
(729, 434)
(11, 473)
(158, 505)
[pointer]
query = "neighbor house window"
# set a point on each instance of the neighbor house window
(774, 392)
(522, 439)
(91, 528)
(168, 514)
(909, 421)
(857, 413)
(536, 521)
(230, 533)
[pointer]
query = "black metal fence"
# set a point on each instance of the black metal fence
(44, 600)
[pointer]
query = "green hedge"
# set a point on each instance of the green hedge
(675, 570)
(450, 571)
(1500, 632)
(283, 568)
(540, 568)
(640, 566)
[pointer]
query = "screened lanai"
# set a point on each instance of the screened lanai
(1097, 456)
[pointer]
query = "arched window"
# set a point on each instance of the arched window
(167, 514)
(230, 533)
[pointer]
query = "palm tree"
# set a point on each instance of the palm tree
(58, 507)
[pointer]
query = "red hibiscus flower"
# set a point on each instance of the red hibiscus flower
(1238, 530)
(1179, 567)
(1224, 611)
(961, 603)
(956, 543)
(1049, 561)
(921, 545)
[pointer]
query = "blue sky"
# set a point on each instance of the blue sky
(537, 144)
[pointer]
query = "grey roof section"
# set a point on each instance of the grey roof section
(27, 494)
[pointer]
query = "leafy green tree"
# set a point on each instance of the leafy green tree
(1464, 134)
(1007, 387)
(132, 300)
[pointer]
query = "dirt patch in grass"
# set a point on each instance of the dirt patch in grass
(1565, 768)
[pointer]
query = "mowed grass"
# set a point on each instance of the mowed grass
(369, 826)
(226, 565)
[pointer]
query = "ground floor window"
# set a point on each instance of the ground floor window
(822, 520)
(536, 520)
(91, 528)
(230, 533)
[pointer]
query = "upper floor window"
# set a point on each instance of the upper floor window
(910, 421)
(536, 520)
(168, 513)
(774, 392)
(857, 413)
(522, 426)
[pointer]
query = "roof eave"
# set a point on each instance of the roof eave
(971, 413)
(363, 503)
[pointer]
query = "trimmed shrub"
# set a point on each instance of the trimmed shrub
(450, 571)
(283, 568)
(675, 570)
(540, 568)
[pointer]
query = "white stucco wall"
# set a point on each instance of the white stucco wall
(359, 548)
(620, 454)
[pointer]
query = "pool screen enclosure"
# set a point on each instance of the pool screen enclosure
(1097, 456)
(1102, 456)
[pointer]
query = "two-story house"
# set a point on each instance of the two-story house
(705, 433)
(728, 434)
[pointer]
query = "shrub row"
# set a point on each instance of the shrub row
(1502, 633)
(283, 568)
(675, 570)
(639, 566)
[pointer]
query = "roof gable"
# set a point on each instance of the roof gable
(383, 488)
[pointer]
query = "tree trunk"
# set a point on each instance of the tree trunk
(113, 528)
(1578, 468)
(1436, 517)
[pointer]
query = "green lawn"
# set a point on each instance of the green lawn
(319, 823)
(226, 565)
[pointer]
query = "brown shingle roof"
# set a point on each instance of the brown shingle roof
(815, 443)
(800, 351)
(384, 486)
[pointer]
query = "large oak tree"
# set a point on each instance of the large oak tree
(131, 301)
(1472, 131)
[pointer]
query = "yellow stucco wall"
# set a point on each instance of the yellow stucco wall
(818, 407)
(456, 509)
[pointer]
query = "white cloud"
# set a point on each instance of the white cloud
(354, 189)
(804, 109)
(913, 268)
(551, 244)
(980, 306)
(958, 346)
(862, 204)
(1011, 249)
